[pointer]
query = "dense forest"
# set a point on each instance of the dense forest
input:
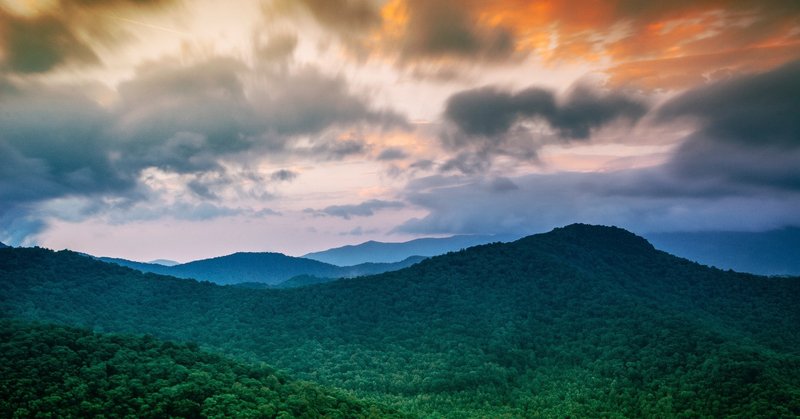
(582, 321)
(46, 369)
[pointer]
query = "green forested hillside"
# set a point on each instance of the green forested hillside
(582, 321)
(48, 370)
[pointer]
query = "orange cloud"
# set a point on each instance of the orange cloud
(614, 32)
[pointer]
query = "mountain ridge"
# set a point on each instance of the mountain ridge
(771, 252)
(581, 321)
(269, 268)
(388, 252)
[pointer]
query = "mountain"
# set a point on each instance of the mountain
(775, 252)
(303, 281)
(48, 370)
(165, 262)
(583, 321)
(264, 268)
(2, 245)
(373, 251)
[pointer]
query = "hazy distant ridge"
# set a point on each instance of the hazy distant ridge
(775, 252)
(383, 252)
(263, 268)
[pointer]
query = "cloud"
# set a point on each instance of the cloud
(341, 16)
(489, 111)
(278, 48)
(202, 124)
(392, 153)
(738, 170)
(364, 209)
(748, 132)
(38, 44)
(283, 175)
(652, 44)
(359, 231)
(486, 122)
(447, 29)
(41, 38)
(753, 110)
(266, 212)
(468, 206)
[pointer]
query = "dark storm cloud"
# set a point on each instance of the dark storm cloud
(488, 122)
(283, 175)
(447, 28)
(364, 209)
(749, 131)
(195, 121)
(489, 111)
(65, 34)
(758, 110)
(53, 143)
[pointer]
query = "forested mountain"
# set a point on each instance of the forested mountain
(266, 268)
(775, 252)
(48, 370)
(382, 252)
(2, 245)
(583, 321)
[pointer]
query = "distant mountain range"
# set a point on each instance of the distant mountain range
(775, 252)
(384, 252)
(583, 321)
(165, 262)
(264, 268)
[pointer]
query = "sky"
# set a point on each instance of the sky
(176, 129)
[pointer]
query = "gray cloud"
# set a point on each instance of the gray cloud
(446, 28)
(392, 153)
(488, 122)
(283, 175)
(343, 16)
(749, 134)
(200, 121)
(740, 170)
(489, 111)
(755, 110)
(546, 201)
(277, 49)
(359, 231)
(364, 209)
(333, 149)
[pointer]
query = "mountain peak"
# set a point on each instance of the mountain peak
(2, 245)
(599, 236)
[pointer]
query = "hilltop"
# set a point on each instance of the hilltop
(580, 321)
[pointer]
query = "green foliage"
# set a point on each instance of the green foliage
(66, 372)
(583, 321)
